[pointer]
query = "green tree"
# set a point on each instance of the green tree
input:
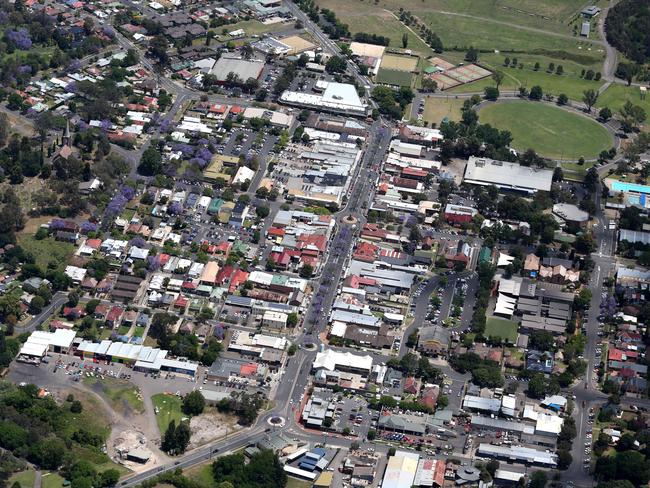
(538, 480)
(193, 403)
(498, 77)
(589, 98)
(562, 99)
(150, 162)
(405, 40)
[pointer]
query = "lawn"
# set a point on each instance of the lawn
(251, 28)
(138, 331)
(366, 17)
(436, 109)
(25, 478)
(202, 474)
(123, 329)
(52, 480)
(122, 395)
(616, 95)
(571, 85)
(505, 329)
(169, 408)
(552, 132)
(394, 77)
(296, 483)
(47, 251)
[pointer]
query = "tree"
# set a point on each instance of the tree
(559, 70)
(336, 64)
(110, 477)
(150, 162)
(429, 84)
(562, 99)
(292, 319)
(405, 40)
(193, 403)
(632, 115)
(589, 98)
(4, 129)
(76, 406)
(471, 55)
(491, 93)
(536, 66)
(36, 305)
(498, 76)
(537, 386)
(538, 480)
(605, 114)
(306, 271)
(536, 93)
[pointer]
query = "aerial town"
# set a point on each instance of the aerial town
(314, 243)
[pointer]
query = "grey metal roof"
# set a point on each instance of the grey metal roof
(519, 453)
(634, 236)
(505, 175)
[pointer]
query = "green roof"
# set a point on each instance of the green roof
(485, 256)
(215, 205)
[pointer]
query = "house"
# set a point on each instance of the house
(457, 253)
(114, 316)
(540, 362)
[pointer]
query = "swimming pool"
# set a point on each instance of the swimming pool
(625, 186)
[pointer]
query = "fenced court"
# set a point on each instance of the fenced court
(399, 63)
(459, 76)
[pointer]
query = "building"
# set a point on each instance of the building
(339, 98)
(521, 454)
(276, 320)
(331, 360)
(400, 470)
(434, 340)
(507, 176)
(590, 11)
(459, 214)
(41, 342)
(243, 68)
(570, 214)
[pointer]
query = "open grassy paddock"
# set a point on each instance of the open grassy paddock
(436, 109)
(122, 395)
(169, 408)
(505, 329)
(25, 478)
(552, 132)
(47, 250)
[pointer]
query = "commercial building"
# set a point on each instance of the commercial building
(507, 176)
(276, 320)
(243, 68)
(339, 98)
(141, 358)
(430, 472)
(519, 454)
(331, 360)
(401, 469)
(41, 342)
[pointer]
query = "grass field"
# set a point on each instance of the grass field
(123, 329)
(25, 478)
(616, 95)
(122, 395)
(401, 63)
(550, 131)
(436, 109)
(296, 483)
(202, 474)
(394, 78)
(251, 28)
(138, 331)
(47, 251)
(571, 85)
(52, 480)
(505, 329)
(169, 407)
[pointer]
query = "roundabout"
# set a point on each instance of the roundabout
(551, 131)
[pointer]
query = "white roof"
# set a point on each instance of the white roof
(75, 273)
(244, 173)
(548, 424)
(338, 329)
(367, 50)
(40, 341)
(504, 260)
(506, 175)
(401, 469)
(331, 360)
